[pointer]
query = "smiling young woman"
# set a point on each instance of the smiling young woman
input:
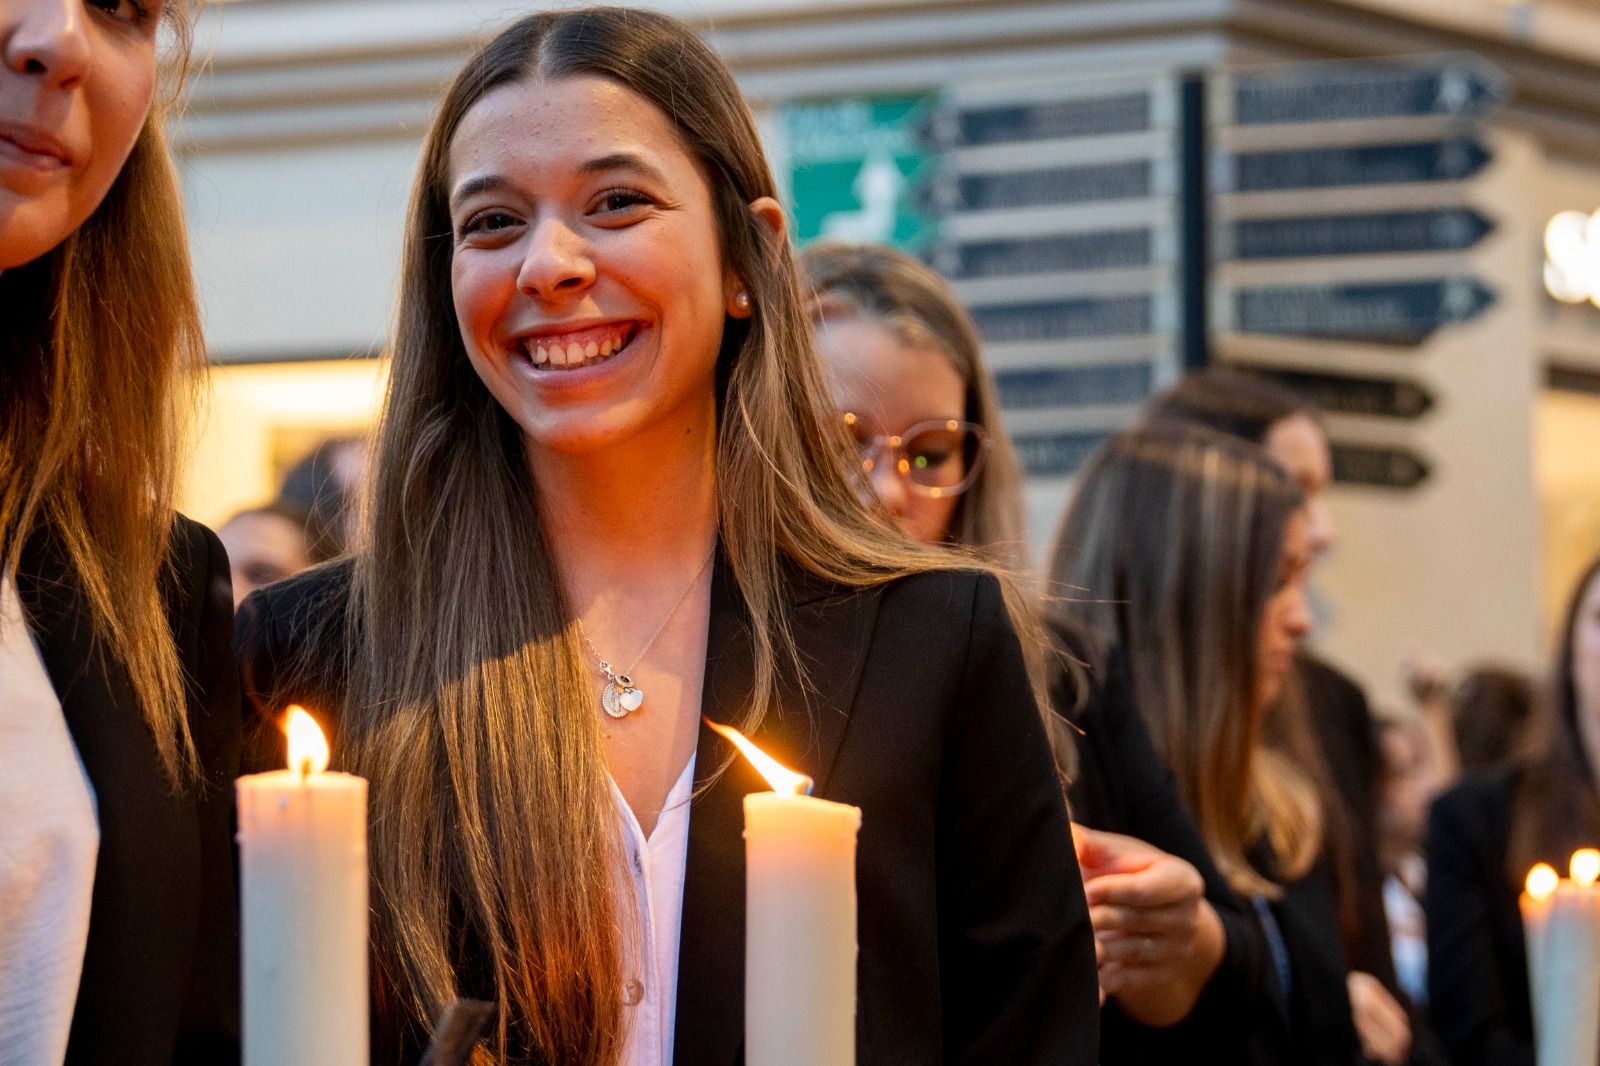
(606, 504)
(117, 689)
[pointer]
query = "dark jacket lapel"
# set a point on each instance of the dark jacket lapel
(136, 917)
(833, 630)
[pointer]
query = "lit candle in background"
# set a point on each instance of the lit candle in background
(1561, 924)
(303, 905)
(800, 920)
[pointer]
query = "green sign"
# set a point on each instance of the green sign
(856, 166)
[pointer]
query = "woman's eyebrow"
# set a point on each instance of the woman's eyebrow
(623, 161)
(473, 186)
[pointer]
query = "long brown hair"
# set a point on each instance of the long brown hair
(1555, 802)
(470, 705)
(917, 306)
(1172, 543)
(99, 363)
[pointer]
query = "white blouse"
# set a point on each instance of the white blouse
(655, 875)
(49, 838)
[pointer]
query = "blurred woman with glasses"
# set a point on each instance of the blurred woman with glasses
(909, 378)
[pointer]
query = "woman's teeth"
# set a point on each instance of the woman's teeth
(575, 354)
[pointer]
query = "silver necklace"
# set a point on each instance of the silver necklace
(621, 697)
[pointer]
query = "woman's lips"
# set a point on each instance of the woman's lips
(576, 349)
(32, 147)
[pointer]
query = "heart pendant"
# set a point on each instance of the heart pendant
(619, 701)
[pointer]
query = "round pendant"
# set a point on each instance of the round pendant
(619, 701)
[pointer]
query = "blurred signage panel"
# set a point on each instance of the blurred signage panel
(1109, 384)
(1115, 249)
(1069, 190)
(1451, 159)
(1379, 467)
(1049, 455)
(1356, 394)
(1458, 88)
(1091, 316)
(1052, 117)
(1444, 229)
(1120, 180)
(1386, 312)
(857, 167)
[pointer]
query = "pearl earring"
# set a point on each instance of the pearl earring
(741, 300)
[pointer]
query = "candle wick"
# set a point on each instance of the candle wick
(305, 769)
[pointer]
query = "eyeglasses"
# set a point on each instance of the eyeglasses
(937, 459)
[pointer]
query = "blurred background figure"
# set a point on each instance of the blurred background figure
(1493, 710)
(1477, 721)
(1412, 777)
(1487, 832)
(265, 544)
(1192, 548)
(1346, 751)
(911, 385)
(323, 486)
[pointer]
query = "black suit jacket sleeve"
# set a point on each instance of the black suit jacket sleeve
(1016, 933)
(1477, 979)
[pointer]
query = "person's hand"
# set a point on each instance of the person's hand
(1158, 940)
(1381, 1022)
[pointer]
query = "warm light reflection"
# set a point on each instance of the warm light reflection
(1586, 866)
(308, 748)
(780, 777)
(1542, 881)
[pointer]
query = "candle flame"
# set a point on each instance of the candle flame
(781, 778)
(308, 748)
(1542, 881)
(1586, 866)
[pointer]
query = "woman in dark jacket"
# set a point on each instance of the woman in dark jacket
(1484, 836)
(604, 510)
(118, 694)
(1185, 554)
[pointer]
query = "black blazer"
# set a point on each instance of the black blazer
(160, 977)
(1244, 1015)
(1122, 786)
(975, 944)
(1477, 958)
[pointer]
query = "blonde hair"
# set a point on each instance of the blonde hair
(1175, 535)
(470, 704)
(99, 366)
(917, 307)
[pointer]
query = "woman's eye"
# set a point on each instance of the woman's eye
(613, 201)
(923, 460)
(485, 222)
(130, 11)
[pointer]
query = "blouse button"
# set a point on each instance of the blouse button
(632, 993)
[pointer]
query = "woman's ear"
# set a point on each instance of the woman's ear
(769, 214)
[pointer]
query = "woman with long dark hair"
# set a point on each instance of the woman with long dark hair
(607, 503)
(1182, 564)
(1484, 836)
(118, 696)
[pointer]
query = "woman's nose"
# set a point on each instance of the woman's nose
(48, 39)
(557, 262)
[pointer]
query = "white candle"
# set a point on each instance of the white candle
(303, 903)
(1561, 923)
(800, 921)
